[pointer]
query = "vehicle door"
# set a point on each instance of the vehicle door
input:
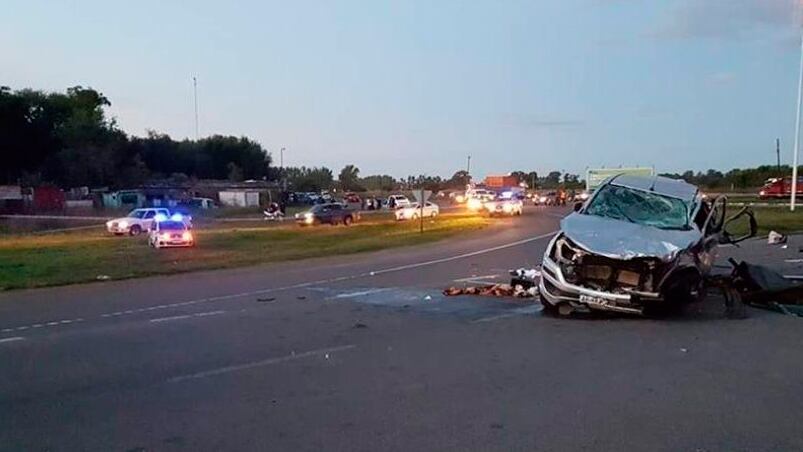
(337, 213)
(147, 219)
(711, 233)
(325, 214)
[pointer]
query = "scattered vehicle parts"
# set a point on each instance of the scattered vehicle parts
(638, 244)
(776, 238)
(493, 290)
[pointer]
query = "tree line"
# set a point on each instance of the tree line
(67, 139)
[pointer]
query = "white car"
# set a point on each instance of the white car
(413, 211)
(170, 234)
(141, 220)
(504, 207)
(136, 222)
(398, 201)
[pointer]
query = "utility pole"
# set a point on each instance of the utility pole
(468, 169)
(778, 154)
(797, 128)
(195, 95)
(281, 169)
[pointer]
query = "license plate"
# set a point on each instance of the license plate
(599, 301)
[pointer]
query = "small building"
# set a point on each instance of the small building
(131, 199)
(239, 198)
(48, 199)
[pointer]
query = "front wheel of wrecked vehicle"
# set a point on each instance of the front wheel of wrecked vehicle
(549, 308)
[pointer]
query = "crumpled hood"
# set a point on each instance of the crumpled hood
(624, 240)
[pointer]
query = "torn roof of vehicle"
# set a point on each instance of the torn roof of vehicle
(662, 185)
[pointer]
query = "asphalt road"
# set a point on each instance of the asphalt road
(363, 353)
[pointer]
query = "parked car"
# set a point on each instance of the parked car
(352, 198)
(136, 222)
(511, 206)
(331, 213)
(638, 244)
(397, 201)
(413, 211)
(170, 234)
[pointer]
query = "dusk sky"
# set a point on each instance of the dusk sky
(410, 87)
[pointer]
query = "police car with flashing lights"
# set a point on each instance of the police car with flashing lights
(170, 233)
(141, 220)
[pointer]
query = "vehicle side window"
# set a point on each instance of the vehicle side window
(335, 206)
(148, 215)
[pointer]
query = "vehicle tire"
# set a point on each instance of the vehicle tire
(549, 308)
(135, 230)
(347, 220)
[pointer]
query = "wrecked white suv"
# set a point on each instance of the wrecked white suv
(638, 244)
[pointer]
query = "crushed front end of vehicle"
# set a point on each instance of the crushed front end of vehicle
(577, 279)
(627, 264)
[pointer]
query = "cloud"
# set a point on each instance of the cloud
(729, 19)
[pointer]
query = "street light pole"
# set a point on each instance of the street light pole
(195, 96)
(281, 169)
(797, 128)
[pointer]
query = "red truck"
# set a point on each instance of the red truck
(780, 188)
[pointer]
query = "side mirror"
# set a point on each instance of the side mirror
(736, 225)
(577, 206)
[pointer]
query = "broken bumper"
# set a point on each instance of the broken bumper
(556, 290)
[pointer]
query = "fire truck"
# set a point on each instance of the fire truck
(780, 188)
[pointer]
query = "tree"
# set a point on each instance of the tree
(378, 183)
(349, 178)
(459, 180)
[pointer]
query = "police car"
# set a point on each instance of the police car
(141, 220)
(170, 233)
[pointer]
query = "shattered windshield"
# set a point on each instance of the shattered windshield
(640, 207)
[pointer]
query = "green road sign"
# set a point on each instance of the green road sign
(594, 177)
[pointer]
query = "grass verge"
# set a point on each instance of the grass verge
(75, 257)
(775, 219)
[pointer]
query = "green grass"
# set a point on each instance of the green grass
(74, 257)
(777, 219)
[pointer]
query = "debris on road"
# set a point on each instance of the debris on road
(265, 300)
(763, 287)
(494, 290)
(776, 238)
(103, 277)
(359, 325)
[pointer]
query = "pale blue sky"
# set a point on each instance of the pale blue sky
(409, 87)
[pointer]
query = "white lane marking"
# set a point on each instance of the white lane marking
(313, 283)
(464, 255)
(361, 293)
(11, 339)
(513, 313)
(793, 261)
(476, 278)
(265, 362)
(186, 316)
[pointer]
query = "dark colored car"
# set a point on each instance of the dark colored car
(330, 213)
(639, 244)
